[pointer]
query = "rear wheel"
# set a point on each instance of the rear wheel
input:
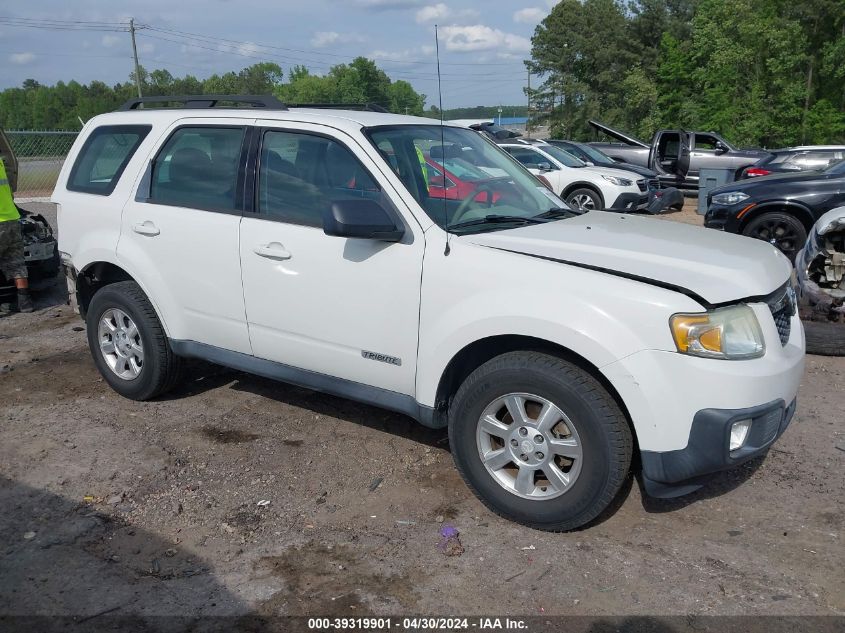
(780, 229)
(539, 440)
(584, 199)
(128, 342)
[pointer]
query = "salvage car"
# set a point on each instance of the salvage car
(795, 159)
(41, 252)
(820, 268)
(553, 344)
(678, 155)
(779, 209)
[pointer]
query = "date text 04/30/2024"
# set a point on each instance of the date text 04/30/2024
(417, 624)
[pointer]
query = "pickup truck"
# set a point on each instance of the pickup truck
(677, 155)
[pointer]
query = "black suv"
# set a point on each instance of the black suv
(780, 209)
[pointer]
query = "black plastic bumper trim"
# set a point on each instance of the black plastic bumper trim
(674, 473)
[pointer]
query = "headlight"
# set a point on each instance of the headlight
(729, 333)
(621, 182)
(730, 197)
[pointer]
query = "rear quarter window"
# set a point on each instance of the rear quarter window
(104, 156)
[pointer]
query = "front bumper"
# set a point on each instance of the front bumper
(723, 218)
(627, 202)
(674, 473)
(666, 392)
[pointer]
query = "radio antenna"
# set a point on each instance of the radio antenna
(448, 249)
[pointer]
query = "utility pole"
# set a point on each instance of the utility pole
(135, 54)
(528, 92)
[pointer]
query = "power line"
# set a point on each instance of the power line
(207, 38)
(64, 25)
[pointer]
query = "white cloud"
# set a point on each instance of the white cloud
(330, 38)
(388, 5)
(530, 15)
(22, 58)
(111, 40)
(478, 37)
(146, 47)
(441, 12)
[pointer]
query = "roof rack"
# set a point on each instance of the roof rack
(207, 101)
(366, 107)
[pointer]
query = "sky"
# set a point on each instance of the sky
(482, 43)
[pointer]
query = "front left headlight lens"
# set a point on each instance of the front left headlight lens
(730, 333)
(620, 182)
(730, 197)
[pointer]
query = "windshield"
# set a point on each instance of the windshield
(497, 192)
(836, 168)
(594, 154)
(562, 156)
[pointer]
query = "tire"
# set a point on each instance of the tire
(585, 199)
(825, 338)
(159, 368)
(782, 230)
(600, 428)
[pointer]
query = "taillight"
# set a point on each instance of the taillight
(751, 172)
(546, 182)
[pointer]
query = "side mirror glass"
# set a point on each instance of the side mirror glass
(544, 166)
(361, 219)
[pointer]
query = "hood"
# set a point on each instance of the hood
(709, 265)
(620, 136)
(645, 172)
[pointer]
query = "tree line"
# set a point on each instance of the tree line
(61, 106)
(764, 73)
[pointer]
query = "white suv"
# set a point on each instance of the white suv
(583, 187)
(307, 245)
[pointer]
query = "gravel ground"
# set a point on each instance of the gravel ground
(237, 495)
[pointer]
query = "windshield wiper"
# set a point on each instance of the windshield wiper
(498, 219)
(557, 212)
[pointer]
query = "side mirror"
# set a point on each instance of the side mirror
(544, 166)
(589, 163)
(720, 148)
(362, 219)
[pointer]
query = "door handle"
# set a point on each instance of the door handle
(273, 250)
(146, 228)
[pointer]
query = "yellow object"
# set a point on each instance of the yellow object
(696, 333)
(8, 210)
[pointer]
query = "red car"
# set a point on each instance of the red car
(462, 179)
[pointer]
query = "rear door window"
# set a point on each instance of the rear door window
(198, 168)
(104, 156)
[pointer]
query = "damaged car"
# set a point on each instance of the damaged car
(820, 268)
(41, 252)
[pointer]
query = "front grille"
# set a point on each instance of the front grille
(782, 305)
(641, 184)
(653, 184)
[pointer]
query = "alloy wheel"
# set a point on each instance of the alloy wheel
(120, 344)
(780, 234)
(529, 446)
(583, 201)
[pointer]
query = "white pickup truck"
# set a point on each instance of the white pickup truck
(307, 245)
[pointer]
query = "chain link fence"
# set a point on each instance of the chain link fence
(41, 155)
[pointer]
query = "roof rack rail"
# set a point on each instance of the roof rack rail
(366, 107)
(207, 101)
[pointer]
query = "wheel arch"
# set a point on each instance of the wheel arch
(801, 212)
(475, 354)
(585, 185)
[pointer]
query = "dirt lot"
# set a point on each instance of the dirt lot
(119, 507)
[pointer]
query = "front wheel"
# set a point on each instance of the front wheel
(782, 230)
(539, 440)
(585, 200)
(128, 342)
